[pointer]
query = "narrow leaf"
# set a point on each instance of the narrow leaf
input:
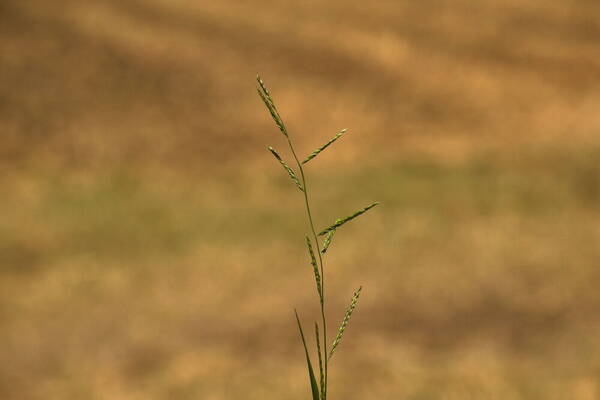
(289, 170)
(341, 221)
(321, 374)
(313, 261)
(345, 321)
(327, 241)
(320, 149)
(311, 374)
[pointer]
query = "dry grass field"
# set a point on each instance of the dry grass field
(150, 248)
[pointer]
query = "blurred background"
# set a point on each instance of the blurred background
(151, 248)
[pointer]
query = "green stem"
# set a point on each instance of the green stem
(314, 232)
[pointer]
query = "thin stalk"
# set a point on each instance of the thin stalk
(314, 232)
(320, 280)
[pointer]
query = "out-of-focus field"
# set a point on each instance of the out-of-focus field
(150, 248)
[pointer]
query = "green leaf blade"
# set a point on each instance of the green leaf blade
(311, 374)
(321, 373)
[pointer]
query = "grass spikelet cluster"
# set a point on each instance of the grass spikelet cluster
(320, 149)
(318, 389)
(289, 170)
(341, 221)
(313, 261)
(264, 94)
(328, 240)
(345, 321)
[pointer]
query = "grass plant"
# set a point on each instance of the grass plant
(324, 353)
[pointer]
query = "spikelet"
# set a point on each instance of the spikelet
(345, 321)
(264, 89)
(289, 170)
(327, 241)
(321, 374)
(341, 221)
(313, 261)
(320, 149)
(264, 94)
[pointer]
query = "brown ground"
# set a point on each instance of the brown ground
(151, 249)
